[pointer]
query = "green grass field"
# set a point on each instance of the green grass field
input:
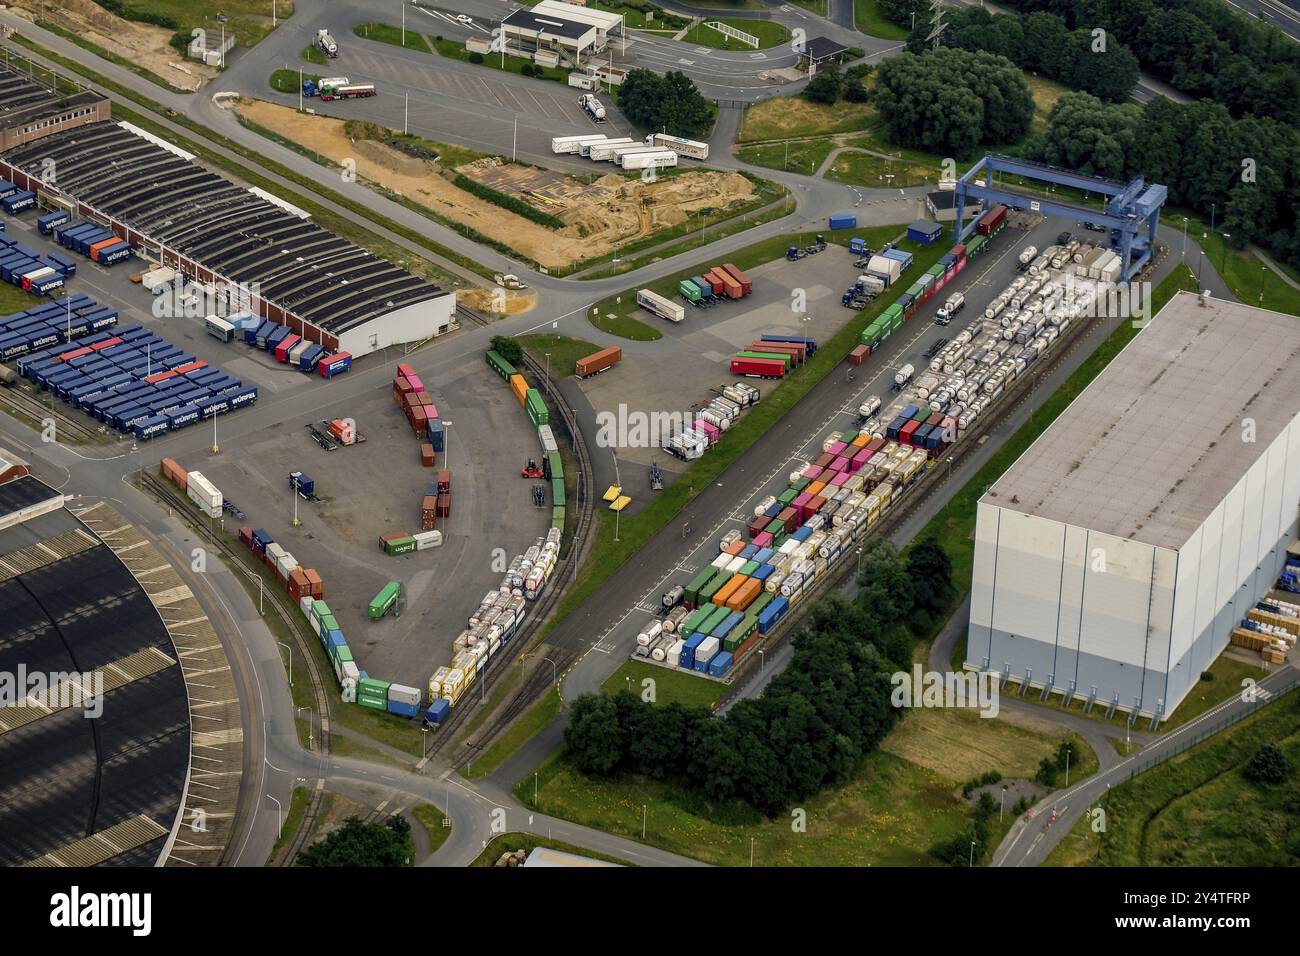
(287, 81)
(868, 19)
(783, 117)
(563, 350)
(768, 32)
(1198, 810)
(249, 20)
(635, 19)
(312, 54)
(798, 156)
(435, 824)
(671, 685)
(624, 326)
(865, 169)
(516, 735)
(392, 35)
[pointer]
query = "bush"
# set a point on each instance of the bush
(509, 349)
(1047, 772)
(1207, 676)
(476, 57)
(1268, 765)
(506, 201)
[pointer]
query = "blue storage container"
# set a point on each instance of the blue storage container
(307, 361)
(438, 711)
(844, 221)
(278, 335)
(263, 332)
(728, 624)
(335, 638)
(688, 651)
(720, 664)
(331, 365)
(762, 555)
(763, 573)
(802, 533)
(437, 434)
(924, 231)
(151, 427)
(261, 539)
(773, 510)
(18, 202)
(404, 710)
(47, 222)
(748, 552)
(183, 416)
(246, 395)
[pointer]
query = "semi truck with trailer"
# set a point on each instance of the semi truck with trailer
(326, 43)
(592, 106)
(685, 147)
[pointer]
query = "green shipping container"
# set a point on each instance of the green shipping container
(557, 466)
(760, 602)
(896, 322)
(399, 546)
(798, 485)
(936, 271)
(327, 623)
(500, 365)
(713, 587)
(780, 539)
(892, 311)
(694, 620)
(748, 568)
(373, 703)
(319, 609)
(914, 290)
(372, 685)
(787, 496)
(689, 289)
(341, 653)
(557, 518)
(692, 595)
(776, 527)
(557, 491)
(537, 413)
(716, 617)
(923, 413)
(777, 356)
(383, 602)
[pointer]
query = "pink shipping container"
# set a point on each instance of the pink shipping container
(840, 465)
(800, 505)
(860, 459)
(763, 539)
(839, 480)
(415, 383)
(837, 448)
(709, 429)
(430, 412)
(811, 472)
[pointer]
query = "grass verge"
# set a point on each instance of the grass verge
(671, 685)
(869, 20)
(435, 823)
(799, 156)
(298, 802)
(455, 50)
(563, 350)
(394, 36)
(768, 32)
(518, 733)
(1197, 809)
(510, 842)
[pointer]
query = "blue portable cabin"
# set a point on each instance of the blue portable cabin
(112, 255)
(151, 428)
(45, 224)
(843, 221)
(184, 416)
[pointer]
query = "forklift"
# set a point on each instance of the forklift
(531, 470)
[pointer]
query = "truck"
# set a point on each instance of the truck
(1026, 257)
(903, 376)
(686, 147)
(648, 159)
(509, 281)
(950, 308)
(598, 361)
(604, 151)
(593, 107)
(655, 303)
(326, 43)
(573, 144)
(350, 91)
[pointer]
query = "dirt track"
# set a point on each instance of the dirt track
(599, 217)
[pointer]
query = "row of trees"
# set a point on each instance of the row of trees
(668, 103)
(950, 101)
(1246, 170)
(815, 721)
(832, 84)
(1042, 43)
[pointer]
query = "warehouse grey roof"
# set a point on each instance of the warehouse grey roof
(1150, 448)
(549, 25)
(24, 100)
(296, 264)
(819, 48)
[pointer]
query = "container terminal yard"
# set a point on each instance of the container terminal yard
(387, 555)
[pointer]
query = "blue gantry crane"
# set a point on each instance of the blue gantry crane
(1131, 214)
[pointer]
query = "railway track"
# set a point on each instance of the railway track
(167, 494)
(541, 677)
(927, 487)
(25, 404)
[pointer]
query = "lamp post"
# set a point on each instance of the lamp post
(290, 650)
(279, 831)
(972, 854)
(1223, 259)
(1184, 238)
(310, 738)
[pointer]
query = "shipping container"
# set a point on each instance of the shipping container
(746, 286)
(596, 362)
(758, 368)
(384, 601)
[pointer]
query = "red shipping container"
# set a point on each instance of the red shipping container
(430, 411)
(729, 285)
(815, 504)
(286, 343)
(299, 586)
(391, 536)
(444, 480)
(758, 368)
(444, 504)
(412, 400)
(107, 343)
(74, 353)
(757, 525)
(426, 455)
(317, 585)
(416, 384)
(404, 370)
(188, 367)
(159, 376)
(824, 460)
(246, 537)
(790, 518)
(746, 286)
(859, 355)
(905, 436)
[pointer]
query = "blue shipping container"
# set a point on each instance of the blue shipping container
(438, 711)
(844, 221)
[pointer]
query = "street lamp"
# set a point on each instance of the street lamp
(279, 831)
(972, 854)
(310, 738)
(1223, 259)
(1184, 238)
(290, 650)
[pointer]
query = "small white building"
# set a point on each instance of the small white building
(557, 32)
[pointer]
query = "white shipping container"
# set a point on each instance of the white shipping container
(674, 655)
(350, 671)
(403, 694)
(286, 565)
(706, 649)
(427, 539)
(201, 491)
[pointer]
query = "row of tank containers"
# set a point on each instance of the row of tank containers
(708, 423)
(1082, 259)
(494, 623)
(715, 620)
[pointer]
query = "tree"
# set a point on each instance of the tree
(1086, 134)
(508, 348)
(669, 103)
(1109, 71)
(929, 570)
(1267, 765)
(358, 844)
(593, 737)
(825, 87)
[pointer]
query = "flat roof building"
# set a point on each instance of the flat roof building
(31, 110)
(1114, 558)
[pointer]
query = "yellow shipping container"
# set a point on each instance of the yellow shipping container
(436, 681)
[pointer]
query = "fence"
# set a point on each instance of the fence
(1205, 733)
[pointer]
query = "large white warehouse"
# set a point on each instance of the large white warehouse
(1113, 559)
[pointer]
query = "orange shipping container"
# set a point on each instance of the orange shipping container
(815, 488)
(729, 285)
(317, 585)
(861, 441)
(598, 361)
(93, 253)
(727, 590)
(519, 385)
(174, 472)
(735, 547)
(745, 595)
